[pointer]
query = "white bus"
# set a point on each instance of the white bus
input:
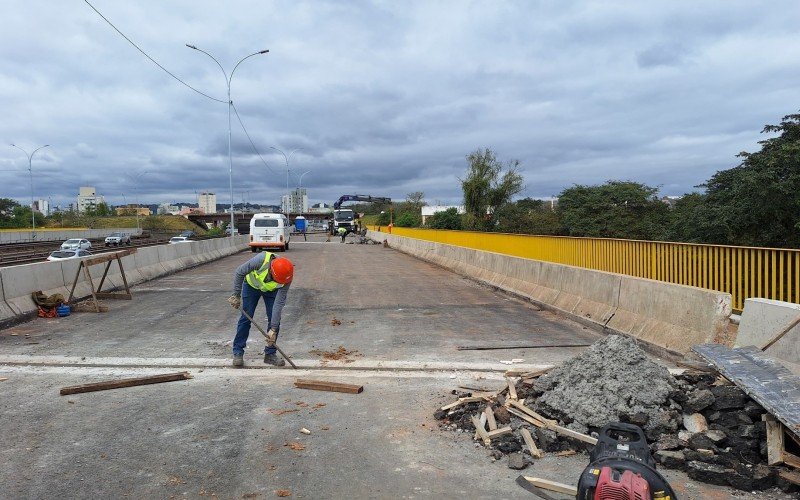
(269, 232)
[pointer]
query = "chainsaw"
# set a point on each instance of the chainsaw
(622, 468)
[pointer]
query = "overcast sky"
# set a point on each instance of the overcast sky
(386, 98)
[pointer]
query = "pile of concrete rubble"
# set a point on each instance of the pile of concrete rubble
(697, 421)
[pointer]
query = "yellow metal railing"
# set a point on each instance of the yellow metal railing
(743, 272)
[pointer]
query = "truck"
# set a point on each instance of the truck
(345, 217)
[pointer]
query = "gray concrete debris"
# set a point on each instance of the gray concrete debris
(517, 461)
(612, 379)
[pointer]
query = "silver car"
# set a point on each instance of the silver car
(76, 244)
(68, 254)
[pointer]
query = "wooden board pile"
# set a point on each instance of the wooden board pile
(724, 436)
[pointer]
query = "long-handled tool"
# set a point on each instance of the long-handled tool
(253, 322)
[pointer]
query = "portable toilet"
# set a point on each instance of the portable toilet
(300, 224)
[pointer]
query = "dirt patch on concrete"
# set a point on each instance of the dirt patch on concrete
(340, 354)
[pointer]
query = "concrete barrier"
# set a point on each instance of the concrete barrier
(18, 282)
(22, 236)
(762, 319)
(671, 317)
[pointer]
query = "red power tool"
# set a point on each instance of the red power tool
(622, 468)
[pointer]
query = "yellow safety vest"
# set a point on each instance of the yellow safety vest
(258, 279)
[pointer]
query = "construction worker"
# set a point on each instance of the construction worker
(267, 276)
(342, 232)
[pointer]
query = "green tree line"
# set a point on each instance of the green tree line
(756, 203)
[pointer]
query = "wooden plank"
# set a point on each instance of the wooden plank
(490, 418)
(774, 440)
(522, 346)
(526, 418)
(512, 391)
(552, 485)
(499, 432)
(126, 382)
(100, 259)
(791, 476)
(526, 436)
(462, 401)
(761, 377)
(573, 434)
(520, 406)
(781, 333)
(323, 385)
(791, 460)
(481, 431)
(528, 373)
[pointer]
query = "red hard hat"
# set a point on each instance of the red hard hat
(282, 270)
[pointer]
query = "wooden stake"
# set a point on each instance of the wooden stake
(127, 382)
(512, 391)
(530, 412)
(552, 485)
(322, 385)
(462, 401)
(481, 431)
(774, 440)
(791, 476)
(526, 436)
(490, 418)
(526, 418)
(499, 432)
(540, 421)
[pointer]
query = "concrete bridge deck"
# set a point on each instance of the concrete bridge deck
(223, 432)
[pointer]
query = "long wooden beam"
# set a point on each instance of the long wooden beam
(323, 385)
(125, 382)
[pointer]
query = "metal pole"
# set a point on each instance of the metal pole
(228, 80)
(30, 173)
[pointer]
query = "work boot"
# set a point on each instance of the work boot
(238, 360)
(274, 359)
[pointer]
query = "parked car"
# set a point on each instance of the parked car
(179, 239)
(117, 239)
(76, 244)
(188, 234)
(68, 254)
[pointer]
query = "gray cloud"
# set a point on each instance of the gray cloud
(387, 98)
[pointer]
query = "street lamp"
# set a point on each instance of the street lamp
(286, 158)
(30, 172)
(300, 188)
(230, 104)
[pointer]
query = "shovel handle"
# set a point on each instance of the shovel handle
(253, 322)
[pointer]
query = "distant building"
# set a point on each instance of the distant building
(207, 202)
(88, 199)
(429, 210)
(295, 202)
(41, 206)
(191, 211)
(167, 209)
(320, 208)
(670, 200)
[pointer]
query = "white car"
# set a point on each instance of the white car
(76, 244)
(179, 239)
(68, 254)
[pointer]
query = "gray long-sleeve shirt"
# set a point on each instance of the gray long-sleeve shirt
(254, 264)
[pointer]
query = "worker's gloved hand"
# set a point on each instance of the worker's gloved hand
(235, 301)
(272, 336)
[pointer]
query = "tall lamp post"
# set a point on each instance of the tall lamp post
(230, 104)
(300, 187)
(30, 173)
(286, 158)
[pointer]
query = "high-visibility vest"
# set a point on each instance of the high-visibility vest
(261, 279)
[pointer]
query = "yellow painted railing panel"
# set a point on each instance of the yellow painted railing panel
(743, 272)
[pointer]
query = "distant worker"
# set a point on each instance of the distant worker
(267, 276)
(342, 232)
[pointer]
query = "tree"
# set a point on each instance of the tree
(407, 219)
(694, 220)
(486, 187)
(446, 219)
(7, 206)
(616, 209)
(758, 202)
(518, 218)
(416, 200)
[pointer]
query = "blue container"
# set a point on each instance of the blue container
(300, 224)
(63, 310)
